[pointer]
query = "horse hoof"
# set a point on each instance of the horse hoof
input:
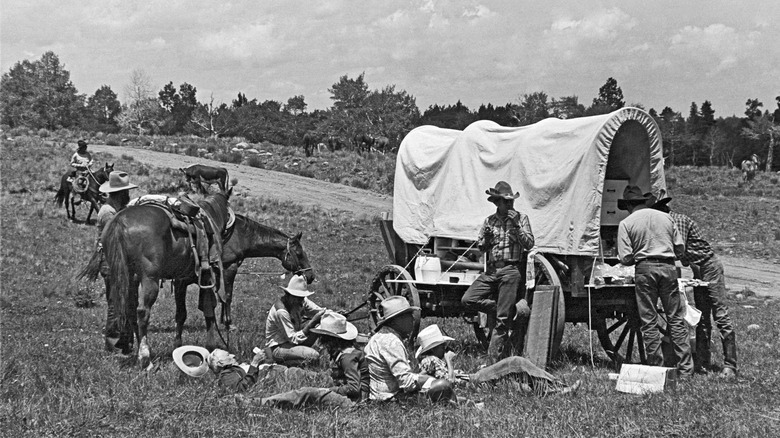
(144, 362)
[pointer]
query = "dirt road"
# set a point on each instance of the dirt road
(757, 275)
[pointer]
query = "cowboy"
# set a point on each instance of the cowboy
(196, 361)
(388, 362)
(81, 161)
(118, 190)
(505, 237)
(349, 369)
(648, 239)
(288, 338)
(711, 299)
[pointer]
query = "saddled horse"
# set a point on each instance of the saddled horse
(142, 247)
(92, 194)
(749, 168)
(246, 239)
(200, 174)
(363, 142)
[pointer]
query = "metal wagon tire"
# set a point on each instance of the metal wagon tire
(381, 288)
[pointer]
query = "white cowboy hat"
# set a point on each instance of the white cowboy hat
(192, 360)
(297, 287)
(336, 324)
(117, 180)
(393, 306)
(430, 337)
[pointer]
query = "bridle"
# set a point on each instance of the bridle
(291, 259)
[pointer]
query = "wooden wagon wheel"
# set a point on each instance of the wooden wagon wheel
(620, 336)
(546, 276)
(381, 288)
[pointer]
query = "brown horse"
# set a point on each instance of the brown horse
(141, 247)
(91, 195)
(248, 239)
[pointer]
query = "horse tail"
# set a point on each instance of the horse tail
(115, 250)
(59, 198)
(91, 271)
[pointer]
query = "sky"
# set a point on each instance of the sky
(661, 52)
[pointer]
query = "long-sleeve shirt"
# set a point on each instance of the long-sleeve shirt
(648, 233)
(434, 367)
(80, 161)
(388, 365)
(235, 378)
(350, 374)
(283, 326)
(511, 236)
(697, 250)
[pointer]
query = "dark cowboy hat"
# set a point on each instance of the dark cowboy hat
(501, 190)
(82, 144)
(632, 195)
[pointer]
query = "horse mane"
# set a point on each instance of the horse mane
(266, 233)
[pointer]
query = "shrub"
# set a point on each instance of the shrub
(142, 170)
(773, 180)
(112, 140)
(255, 161)
(191, 150)
(43, 133)
(127, 157)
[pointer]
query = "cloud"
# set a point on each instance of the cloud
(600, 25)
(242, 42)
(478, 12)
(719, 46)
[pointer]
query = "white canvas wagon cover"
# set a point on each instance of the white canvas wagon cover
(558, 166)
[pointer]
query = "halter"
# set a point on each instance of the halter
(295, 261)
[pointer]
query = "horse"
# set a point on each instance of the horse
(92, 194)
(200, 173)
(382, 144)
(749, 168)
(310, 141)
(363, 142)
(141, 248)
(246, 239)
(335, 143)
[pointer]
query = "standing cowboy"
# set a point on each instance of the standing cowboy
(118, 189)
(711, 300)
(649, 239)
(505, 238)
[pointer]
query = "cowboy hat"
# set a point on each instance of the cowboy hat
(297, 287)
(632, 195)
(336, 325)
(82, 144)
(393, 306)
(430, 337)
(192, 360)
(501, 190)
(117, 180)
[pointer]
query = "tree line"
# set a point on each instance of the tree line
(40, 95)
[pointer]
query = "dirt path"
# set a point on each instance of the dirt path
(759, 276)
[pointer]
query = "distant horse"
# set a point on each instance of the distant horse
(248, 239)
(92, 195)
(382, 144)
(200, 173)
(141, 247)
(310, 141)
(363, 142)
(335, 143)
(749, 168)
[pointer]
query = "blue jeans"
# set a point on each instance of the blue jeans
(480, 296)
(294, 355)
(307, 396)
(711, 300)
(656, 280)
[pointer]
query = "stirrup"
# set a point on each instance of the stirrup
(211, 275)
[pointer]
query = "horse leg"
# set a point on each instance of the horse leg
(207, 302)
(230, 278)
(180, 295)
(92, 208)
(147, 295)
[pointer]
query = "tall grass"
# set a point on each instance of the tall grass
(55, 379)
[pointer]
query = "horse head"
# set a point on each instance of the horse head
(295, 259)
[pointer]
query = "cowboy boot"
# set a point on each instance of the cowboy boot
(729, 357)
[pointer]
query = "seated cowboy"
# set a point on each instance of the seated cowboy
(80, 162)
(287, 335)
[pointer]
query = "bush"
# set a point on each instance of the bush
(43, 133)
(191, 150)
(112, 140)
(255, 161)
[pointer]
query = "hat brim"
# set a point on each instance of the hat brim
(350, 334)
(200, 370)
(492, 195)
(662, 202)
(434, 344)
(106, 188)
(296, 292)
(409, 309)
(623, 204)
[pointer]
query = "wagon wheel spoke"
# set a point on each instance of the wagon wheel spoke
(626, 331)
(630, 346)
(617, 324)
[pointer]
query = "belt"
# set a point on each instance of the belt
(667, 261)
(498, 264)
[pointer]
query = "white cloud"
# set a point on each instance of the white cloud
(719, 46)
(601, 25)
(477, 12)
(245, 42)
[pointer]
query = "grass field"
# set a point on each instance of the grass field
(57, 381)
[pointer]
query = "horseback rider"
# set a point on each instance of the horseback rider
(80, 162)
(118, 189)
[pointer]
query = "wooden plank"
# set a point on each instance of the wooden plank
(542, 325)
